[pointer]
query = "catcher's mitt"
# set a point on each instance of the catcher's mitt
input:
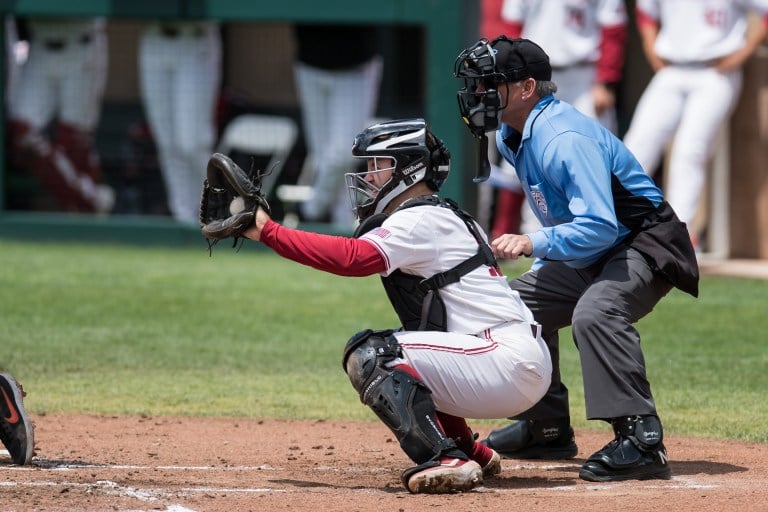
(230, 199)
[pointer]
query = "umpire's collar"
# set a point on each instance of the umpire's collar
(512, 138)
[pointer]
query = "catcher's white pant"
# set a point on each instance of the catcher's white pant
(690, 103)
(496, 374)
(180, 76)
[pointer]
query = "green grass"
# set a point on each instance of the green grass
(125, 330)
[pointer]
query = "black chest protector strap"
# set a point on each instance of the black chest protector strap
(416, 300)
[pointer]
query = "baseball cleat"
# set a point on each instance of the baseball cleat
(16, 431)
(493, 468)
(450, 475)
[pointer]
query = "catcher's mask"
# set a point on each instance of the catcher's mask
(410, 151)
(486, 68)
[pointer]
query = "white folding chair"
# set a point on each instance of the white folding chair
(269, 136)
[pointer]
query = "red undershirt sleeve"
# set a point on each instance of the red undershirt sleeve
(611, 61)
(338, 255)
(643, 18)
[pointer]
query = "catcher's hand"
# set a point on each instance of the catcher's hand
(230, 199)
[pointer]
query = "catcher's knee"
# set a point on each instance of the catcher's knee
(365, 352)
(401, 401)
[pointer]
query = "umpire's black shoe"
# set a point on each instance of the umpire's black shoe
(534, 439)
(637, 453)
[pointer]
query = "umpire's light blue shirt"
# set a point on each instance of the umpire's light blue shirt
(582, 183)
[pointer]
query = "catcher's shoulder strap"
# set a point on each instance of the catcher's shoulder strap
(483, 256)
(416, 300)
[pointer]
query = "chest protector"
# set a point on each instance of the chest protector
(416, 299)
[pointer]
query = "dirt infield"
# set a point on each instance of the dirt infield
(105, 463)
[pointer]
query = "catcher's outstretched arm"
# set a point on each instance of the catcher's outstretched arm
(338, 255)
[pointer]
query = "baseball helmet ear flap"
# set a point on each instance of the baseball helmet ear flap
(440, 162)
(439, 165)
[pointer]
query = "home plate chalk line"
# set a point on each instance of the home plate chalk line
(110, 487)
(162, 497)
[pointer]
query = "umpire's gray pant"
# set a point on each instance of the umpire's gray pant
(601, 303)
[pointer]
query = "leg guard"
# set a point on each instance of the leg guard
(400, 401)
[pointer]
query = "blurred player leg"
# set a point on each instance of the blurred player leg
(656, 118)
(356, 95)
(74, 191)
(195, 91)
(708, 107)
(313, 86)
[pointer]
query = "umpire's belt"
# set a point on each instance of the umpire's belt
(56, 45)
(172, 31)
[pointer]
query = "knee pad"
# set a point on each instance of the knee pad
(365, 352)
(401, 402)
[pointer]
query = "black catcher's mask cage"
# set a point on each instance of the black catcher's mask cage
(418, 156)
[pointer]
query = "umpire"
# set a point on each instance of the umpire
(609, 249)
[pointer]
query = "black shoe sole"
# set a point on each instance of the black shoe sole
(627, 474)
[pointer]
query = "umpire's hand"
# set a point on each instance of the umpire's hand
(512, 246)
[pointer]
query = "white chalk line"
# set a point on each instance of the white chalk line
(55, 465)
(108, 487)
(677, 482)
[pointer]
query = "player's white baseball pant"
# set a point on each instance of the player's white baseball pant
(180, 76)
(691, 104)
(497, 374)
(336, 106)
(65, 81)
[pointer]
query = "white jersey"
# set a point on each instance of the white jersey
(693, 31)
(481, 299)
(568, 30)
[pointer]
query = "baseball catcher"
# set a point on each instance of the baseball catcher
(464, 348)
(230, 199)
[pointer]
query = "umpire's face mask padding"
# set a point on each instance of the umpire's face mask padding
(480, 101)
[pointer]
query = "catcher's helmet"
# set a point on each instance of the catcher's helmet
(418, 156)
(492, 64)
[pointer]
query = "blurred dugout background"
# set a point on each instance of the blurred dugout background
(418, 41)
(257, 78)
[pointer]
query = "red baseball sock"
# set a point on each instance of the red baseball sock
(457, 429)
